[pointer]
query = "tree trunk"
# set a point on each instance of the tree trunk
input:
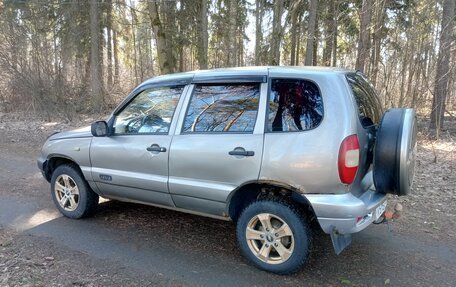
(403, 76)
(133, 34)
(202, 34)
(181, 58)
(109, 41)
(295, 10)
(13, 52)
(140, 57)
(315, 43)
(276, 37)
(55, 38)
(311, 33)
(258, 30)
(330, 24)
(240, 61)
(203, 45)
(165, 59)
(203, 38)
(116, 56)
(232, 33)
(377, 36)
(442, 76)
(298, 40)
(334, 45)
(95, 61)
(168, 14)
(364, 33)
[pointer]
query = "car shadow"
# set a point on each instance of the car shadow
(202, 251)
(216, 238)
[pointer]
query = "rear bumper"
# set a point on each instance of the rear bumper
(346, 213)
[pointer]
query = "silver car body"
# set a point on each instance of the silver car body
(197, 175)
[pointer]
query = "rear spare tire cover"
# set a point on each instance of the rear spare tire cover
(395, 151)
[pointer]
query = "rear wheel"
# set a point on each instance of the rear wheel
(71, 193)
(274, 236)
(395, 152)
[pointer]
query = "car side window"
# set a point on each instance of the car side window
(294, 105)
(151, 111)
(223, 108)
(370, 110)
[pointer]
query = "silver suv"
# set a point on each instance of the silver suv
(277, 150)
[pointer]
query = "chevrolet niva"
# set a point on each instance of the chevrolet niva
(277, 150)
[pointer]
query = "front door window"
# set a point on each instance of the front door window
(150, 111)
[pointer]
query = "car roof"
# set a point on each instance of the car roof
(222, 74)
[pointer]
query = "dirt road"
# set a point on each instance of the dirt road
(134, 245)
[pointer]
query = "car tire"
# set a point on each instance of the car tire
(395, 152)
(274, 236)
(71, 193)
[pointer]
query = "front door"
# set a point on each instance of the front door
(218, 148)
(132, 163)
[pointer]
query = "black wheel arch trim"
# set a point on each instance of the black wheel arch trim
(47, 169)
(297, 195)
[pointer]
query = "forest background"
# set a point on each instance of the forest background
(62, 58)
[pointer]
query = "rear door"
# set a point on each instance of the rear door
(219, 145)
(370, 112)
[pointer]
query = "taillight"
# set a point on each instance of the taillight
(348, 159)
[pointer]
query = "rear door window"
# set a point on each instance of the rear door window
(369, 107)
(223, 108)
(294, 105)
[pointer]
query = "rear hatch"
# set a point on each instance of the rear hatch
(369, 114)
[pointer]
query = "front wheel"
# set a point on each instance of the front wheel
(274, 236)
(71, 193)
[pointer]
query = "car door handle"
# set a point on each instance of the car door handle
(156, 148)
(239, 151)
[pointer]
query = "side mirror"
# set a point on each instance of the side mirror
(99, 129)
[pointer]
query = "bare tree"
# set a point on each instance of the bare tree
(259, 13)
(109, 41)
(232, 32)
(96, 82)
(331, 28)
(166, 59)
(52, 57)
(202, 34)
(364, 35)
(377, 36)
(311, 33)
(276, 36)
(442, 76)
(295, 31)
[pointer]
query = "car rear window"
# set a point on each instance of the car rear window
(294, 105)
(369, 107)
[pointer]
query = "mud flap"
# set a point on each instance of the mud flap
(340, 241)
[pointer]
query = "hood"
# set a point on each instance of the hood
(77, 133)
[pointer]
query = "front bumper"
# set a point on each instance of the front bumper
(41, 162)
(346, 213)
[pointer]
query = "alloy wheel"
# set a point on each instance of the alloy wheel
(270, 238)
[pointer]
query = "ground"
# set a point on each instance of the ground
(134, 245)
